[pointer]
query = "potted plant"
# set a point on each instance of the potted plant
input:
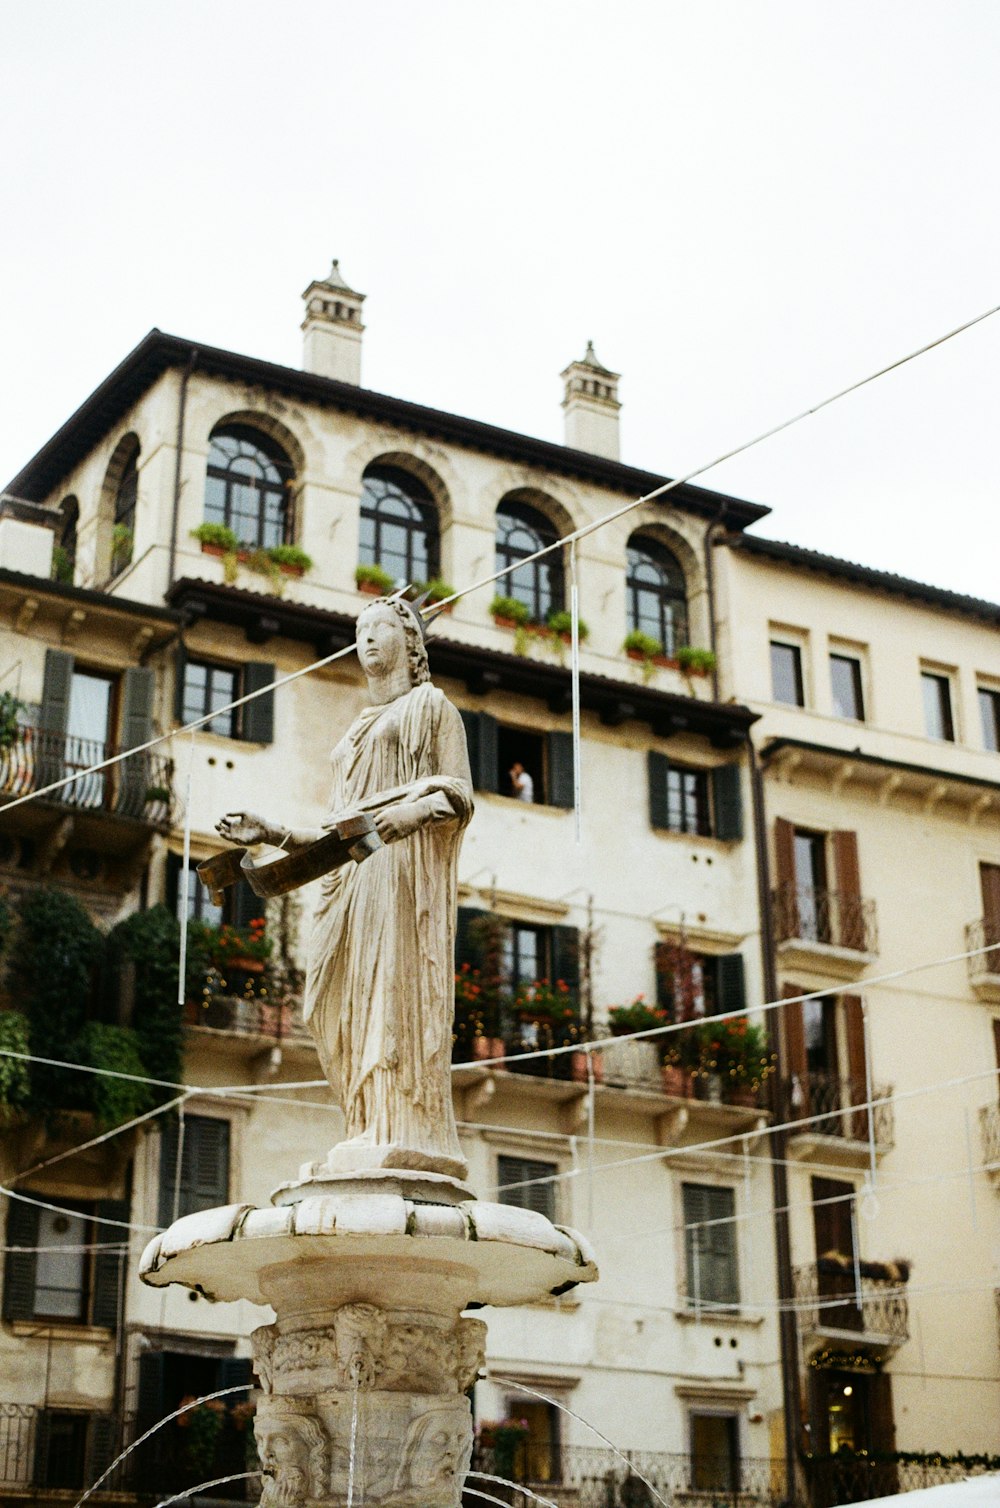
(643, 647)
(735, 1052)
(476, 1028)
(235, 948)
(436, 590)
(561, 624)
(504, 1437)
(290, 559)
(373, 580)
(216, 539)
(508, 612)
(694, 661)
(10, 708)
(121, 547)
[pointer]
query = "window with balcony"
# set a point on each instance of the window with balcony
(656, 594)
(715, 1451)
(710, 1246)
(521, 531)
(495, 748)
(818, 899)
(248, 487)
(989, 716)
(56, 1275)
(846, 687)
(398, 525)
(690, 984)
(72, 1447)
(698, 802)
(786, 674)
(201, 1181)
(204, 688)
(826, 1068)
(938, 720)
(527, 1183)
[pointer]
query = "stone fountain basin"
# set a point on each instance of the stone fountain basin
(494, 1253)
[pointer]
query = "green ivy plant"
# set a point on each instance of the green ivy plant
(15, 1078)
(142, 956)
(10, 707)
(114, 1101)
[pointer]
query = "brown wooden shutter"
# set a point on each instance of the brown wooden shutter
(854, 1030)
(796, 1064)
(989, 881)
(849, 928)
(786, 920)
(996, 1040)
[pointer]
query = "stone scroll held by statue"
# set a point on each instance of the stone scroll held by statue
(379, 997)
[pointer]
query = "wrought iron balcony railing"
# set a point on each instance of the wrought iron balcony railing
(832, 918)
(141, 787)
(596, 1478)
(275, 1019)
(831, 1106)
(835, 1295)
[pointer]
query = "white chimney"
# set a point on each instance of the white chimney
(591, 406)
(332, 329)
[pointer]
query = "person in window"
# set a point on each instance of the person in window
(521, 782)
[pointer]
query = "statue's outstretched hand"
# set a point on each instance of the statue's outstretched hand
(245, 828)
(398, 821)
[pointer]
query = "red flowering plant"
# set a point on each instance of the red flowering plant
(476, 1009)
(551, 999)
(736, 1050)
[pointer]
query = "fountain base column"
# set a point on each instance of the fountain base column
(364, 1372)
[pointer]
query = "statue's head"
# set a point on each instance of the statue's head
(390, 633)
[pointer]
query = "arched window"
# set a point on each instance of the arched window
(522, 531)
(399, 526)
(123, 527)
(657, 594)
(247, 487)
(64, 555)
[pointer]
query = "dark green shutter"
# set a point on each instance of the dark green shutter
(710, 1248)
(659, 764)
(109, 1266)
(139, 687)
(466, 949)
(234, 1372)
(560, 763)
(53, 718)
(727, 801)
(43, 1421)
(540, 1197)
(730, 984)
(484, 759)
(150, 1400)
(258, 715)
(19, 1266)
(100, 1449)
(566, 957)
(247, 904)
(172, 896)
(180, 672)
(204, 1181)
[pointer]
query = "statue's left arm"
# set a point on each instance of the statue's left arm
(444, 796)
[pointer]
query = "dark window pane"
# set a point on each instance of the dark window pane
(246, 487)
(710, 1244)
(207, 688)
(715, 1460)
(656, 593)
(989, 712)
(786, 674)
(845, 681)
(532, 1195)
(522, 531)
(399, 526)
(60, 1276)
(688, 808)
(937, 706)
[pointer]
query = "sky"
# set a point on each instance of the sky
(745, 204)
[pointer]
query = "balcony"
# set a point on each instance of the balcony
(837, 1123)
(984, 968)
(247, 1024)
(827, 1294)
(111, 809)
(68, 1449)
(825, 929)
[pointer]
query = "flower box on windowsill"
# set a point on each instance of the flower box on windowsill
(370, 588)
(663, 661)
(244, 555)
(246, 965)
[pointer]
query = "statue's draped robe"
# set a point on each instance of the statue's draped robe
(380, 983)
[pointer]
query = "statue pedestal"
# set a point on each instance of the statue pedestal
(365, 1370)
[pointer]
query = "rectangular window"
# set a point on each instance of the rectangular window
(845, 684)
(812, 896)
(710, 1245)
(786, 674)
(525, 1182)
(938, 721)
(207, 688)
(989, 713)
(61, 1269)
(715, 1452)
(687, 801)
(204, 1166)
(521, 764)
(52, 1273)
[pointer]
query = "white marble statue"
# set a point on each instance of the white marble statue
(380, 981)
